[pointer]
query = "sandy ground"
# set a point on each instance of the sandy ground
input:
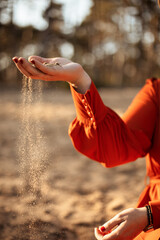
(76, 194)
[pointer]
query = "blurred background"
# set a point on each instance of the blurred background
(117, 42)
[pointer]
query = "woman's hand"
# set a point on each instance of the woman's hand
(127, 225)
(54, 69)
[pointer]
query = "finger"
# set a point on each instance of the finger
(39, 59)
(24, 64)
(113, 223)
(98, 234)
(103, 230)
(38, 74)
(49, 60)
(20, 68)
(118, 232)
(110, 236)
(44, 68)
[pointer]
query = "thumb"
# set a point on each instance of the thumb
(98, 234)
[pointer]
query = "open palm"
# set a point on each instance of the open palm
(49, 69)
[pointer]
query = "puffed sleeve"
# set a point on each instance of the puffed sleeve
(100, 134)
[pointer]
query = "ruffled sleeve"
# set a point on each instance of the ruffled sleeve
(100, 134)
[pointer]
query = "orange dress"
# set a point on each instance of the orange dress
(100, 134)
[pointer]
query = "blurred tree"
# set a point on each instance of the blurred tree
(7, 30)
(26, 41)
(121, 40)
(118, 43)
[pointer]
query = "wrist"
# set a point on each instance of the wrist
(83, 83)
(143, 216)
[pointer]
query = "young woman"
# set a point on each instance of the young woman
(100, 134)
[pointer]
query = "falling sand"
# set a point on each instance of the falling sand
(31, 146)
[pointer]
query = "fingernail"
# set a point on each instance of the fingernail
(21, 61)
(102, 228)
(15, 60)
(32, 61)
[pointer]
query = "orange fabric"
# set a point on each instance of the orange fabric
(100, 134)
(150, 235)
